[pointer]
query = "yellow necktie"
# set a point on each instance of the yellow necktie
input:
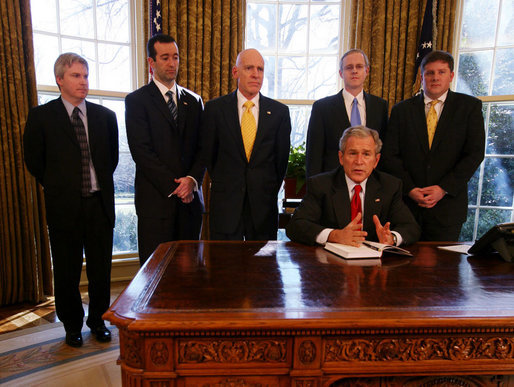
(248, 128)
(431, 121)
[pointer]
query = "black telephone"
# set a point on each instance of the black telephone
(499, 238)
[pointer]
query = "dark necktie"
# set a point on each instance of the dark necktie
(356, 205)
(172, 106)
(80, 132)
(355, 119)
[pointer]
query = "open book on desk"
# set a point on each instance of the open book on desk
(366, 250)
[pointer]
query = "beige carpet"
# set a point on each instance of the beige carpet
(39, 357)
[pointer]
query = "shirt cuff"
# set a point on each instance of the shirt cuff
(399, 239)
(322, 237)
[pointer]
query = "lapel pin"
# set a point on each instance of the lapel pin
(185, 103)
(268, 112)
(377, 200)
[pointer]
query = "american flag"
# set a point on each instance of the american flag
(426, 39)
(155, 17)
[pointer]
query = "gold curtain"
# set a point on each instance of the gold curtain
(25, 270)
(388, 31)
(209, 35)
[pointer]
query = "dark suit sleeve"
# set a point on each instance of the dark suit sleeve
(472, 153)
(112, 123)
(208, 136)
(282, 146)
(34, 146)
(140, 143)
(392, 159)
(305, 225)
(197, 170)
(315, 142)
(401, 219)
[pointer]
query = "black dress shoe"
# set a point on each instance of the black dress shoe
(74, 339)
(101, 334)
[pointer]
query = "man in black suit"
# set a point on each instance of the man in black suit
(330, 116)
(435, 167)
(349, 204)
(163, 122)
(246, 173)
(71, 148)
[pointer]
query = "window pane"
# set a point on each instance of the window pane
(46, 51)
(261, 21)
(506, 31)
(466, 233)
(474, 72)
(487, 218)
(299, 121)
(323, 76)
(504, 72)
(324, 28)
(501, 130)
(112, 21)
(270, 76)
(124, 177)
(46, 15)
(293, 28)
(479, 23)
(473, 188)
(125, 231)
(87, 50)
(498, 182)
(114, 67)
(77, 18)
(292, 78)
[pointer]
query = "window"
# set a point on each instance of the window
(102, 32)
(484, 69)
(301, 45)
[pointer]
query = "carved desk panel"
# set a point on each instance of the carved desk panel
(284, 314)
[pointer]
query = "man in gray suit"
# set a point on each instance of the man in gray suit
(330, 116)
(354, 202)
(246, 147)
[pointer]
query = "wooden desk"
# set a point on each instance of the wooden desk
(284, 314)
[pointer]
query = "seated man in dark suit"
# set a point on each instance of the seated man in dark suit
(354, 202)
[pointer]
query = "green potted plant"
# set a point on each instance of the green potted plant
(294, 183)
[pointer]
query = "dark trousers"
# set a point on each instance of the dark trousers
(186, 224)
(91, 234)
(246, 229)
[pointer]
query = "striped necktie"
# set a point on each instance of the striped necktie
(85, 158)
(171, 105)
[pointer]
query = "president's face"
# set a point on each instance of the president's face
(74, 84)
(359, 158)
(436, 78)
(165, 65)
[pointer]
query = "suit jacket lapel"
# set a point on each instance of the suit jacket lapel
(160, 103)
(444, 119)
(234, 127)
(182, 108)
(341, 200)
(420, 122)
(62, 116)
(91, 126)
(340, 114)
(372, 203)
(265, 114)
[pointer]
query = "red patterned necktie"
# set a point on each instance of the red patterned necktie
(356, 202)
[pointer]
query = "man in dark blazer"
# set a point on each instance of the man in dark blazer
(71, 148)
(163, 136)
(330, 116)
(246, 175)
(436, 168)
(326, 214)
